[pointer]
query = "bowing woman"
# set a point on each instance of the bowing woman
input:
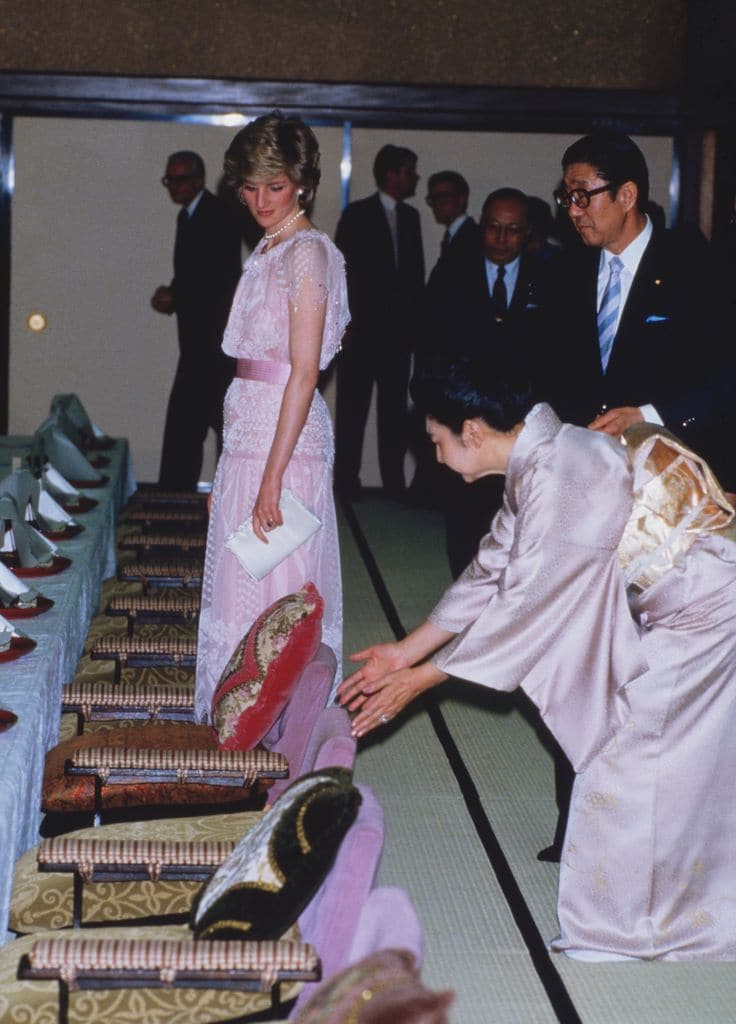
(606, 589)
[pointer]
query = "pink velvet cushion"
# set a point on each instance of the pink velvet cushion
(266, 666)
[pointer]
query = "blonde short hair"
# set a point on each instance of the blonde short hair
(271, 145)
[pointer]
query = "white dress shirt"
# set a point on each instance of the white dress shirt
(631, 258)
(389, 208)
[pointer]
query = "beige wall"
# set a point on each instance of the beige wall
(92, 236)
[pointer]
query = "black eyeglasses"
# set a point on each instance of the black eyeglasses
(176, 179)
(579, 196)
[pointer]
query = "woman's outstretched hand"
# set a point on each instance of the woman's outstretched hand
(378, 661)
(376, 693)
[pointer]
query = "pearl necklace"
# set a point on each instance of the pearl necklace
(274, 234)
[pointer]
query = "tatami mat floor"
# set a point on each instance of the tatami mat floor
(466, 812)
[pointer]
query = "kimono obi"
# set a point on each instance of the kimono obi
(676, 498)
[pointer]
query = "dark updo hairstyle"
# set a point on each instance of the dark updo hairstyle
(495, 389)
(271, 145)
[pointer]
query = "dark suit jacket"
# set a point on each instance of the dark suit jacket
(460, 317)
(384, 299)
(674, 348)
(464, 245)
(207, 266)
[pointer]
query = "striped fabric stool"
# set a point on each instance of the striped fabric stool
(145, 543)
(144, 652)
(175, 573)
(93, 701)
(186, 519)
(136, 766)
(129, 860)
(157, 607)
(169, 964)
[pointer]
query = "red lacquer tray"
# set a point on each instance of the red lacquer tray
(19, 646)
(90, 483)
(42, 605)
(85, 504)
(7, 718)
(58, 564)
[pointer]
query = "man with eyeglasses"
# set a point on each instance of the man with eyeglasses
(645, 332)
(648, 324)
(207, 263)
(447, 196)
(499, 296)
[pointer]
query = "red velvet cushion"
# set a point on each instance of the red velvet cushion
(258, 680)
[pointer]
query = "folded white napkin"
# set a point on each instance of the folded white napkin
(47, 506)
(9, 544)
(10, 583)
(57, 483)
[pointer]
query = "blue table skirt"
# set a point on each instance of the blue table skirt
(31, 686)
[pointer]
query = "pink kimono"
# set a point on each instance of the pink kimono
(643, 706)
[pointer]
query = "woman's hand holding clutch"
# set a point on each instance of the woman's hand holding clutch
(266, 512)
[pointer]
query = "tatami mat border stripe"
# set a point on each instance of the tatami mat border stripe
(558, 995)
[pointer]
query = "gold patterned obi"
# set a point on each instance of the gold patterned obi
(676, 498)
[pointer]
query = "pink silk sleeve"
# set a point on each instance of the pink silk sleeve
(544, 606)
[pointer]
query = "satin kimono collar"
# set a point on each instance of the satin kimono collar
(540, 424)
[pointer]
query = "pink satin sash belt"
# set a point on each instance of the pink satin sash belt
(266, 370)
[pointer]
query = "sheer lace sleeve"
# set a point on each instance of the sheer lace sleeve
(306, 273)
(314, 277)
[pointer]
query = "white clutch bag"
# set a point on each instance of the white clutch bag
(259, 559)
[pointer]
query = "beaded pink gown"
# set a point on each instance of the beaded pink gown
(301, 278)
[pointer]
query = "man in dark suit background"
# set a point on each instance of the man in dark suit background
(381, 240)
(207, 264)
(666, 352)
(447, 196)
(498, 296)
(645, 328)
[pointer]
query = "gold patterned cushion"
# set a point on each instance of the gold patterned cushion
(42, 900)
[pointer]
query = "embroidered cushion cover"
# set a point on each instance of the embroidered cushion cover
(384, 988)
(265, 667)
(276, 868)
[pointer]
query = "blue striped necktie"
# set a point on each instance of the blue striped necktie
(608, 313)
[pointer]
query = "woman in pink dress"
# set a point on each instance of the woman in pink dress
(606, 589)
(286, 324)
